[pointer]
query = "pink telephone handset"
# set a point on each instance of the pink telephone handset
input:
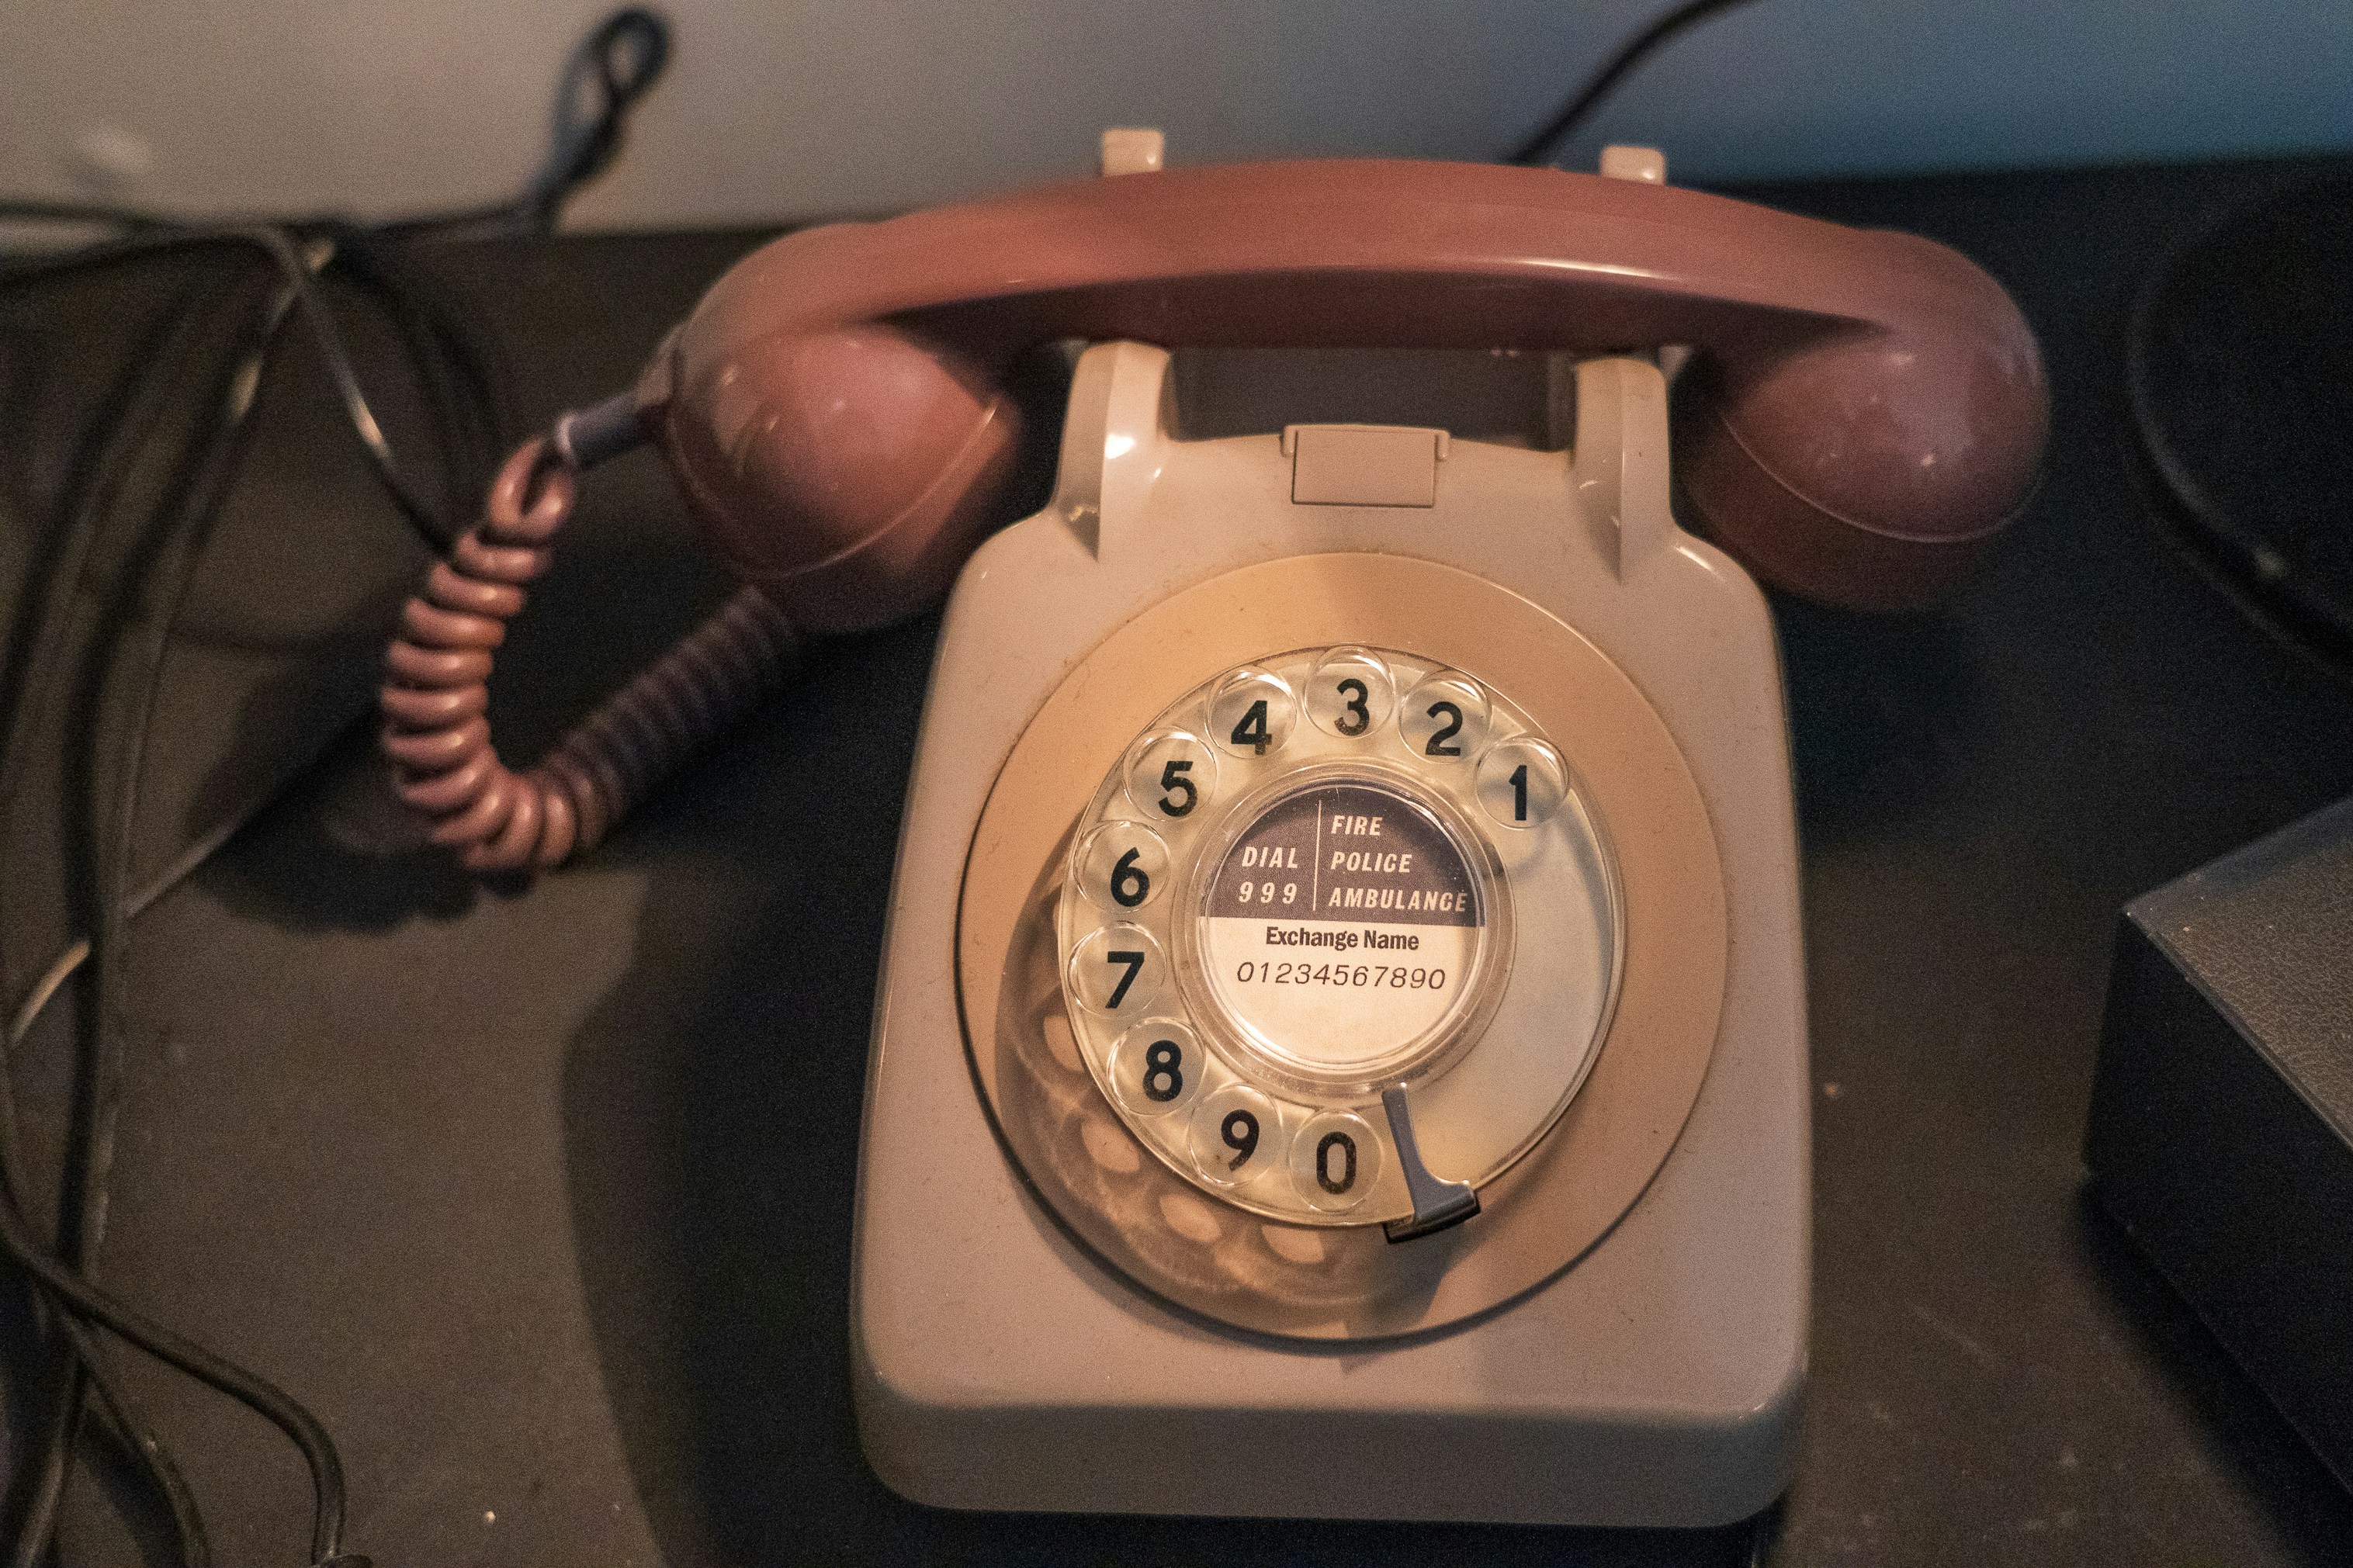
(1864, 411)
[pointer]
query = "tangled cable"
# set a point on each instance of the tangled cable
(435, 696)
(464, 399)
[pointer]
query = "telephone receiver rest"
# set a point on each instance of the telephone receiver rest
(1865, 409)
(1862, 412)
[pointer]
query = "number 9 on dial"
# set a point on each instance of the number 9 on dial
(1237, 1133)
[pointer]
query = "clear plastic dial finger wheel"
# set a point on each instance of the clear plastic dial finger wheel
(1306, 883)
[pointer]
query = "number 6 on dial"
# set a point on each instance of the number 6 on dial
(1121, 866)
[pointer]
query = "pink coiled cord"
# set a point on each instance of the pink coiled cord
(435, 695)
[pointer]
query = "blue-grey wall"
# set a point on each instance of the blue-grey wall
(784, 108)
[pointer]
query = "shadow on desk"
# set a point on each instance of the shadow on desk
(2245, 1431)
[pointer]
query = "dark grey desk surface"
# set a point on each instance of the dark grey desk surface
(542, 1196)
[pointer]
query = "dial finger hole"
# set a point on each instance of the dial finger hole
(1157, 1067)
(1237, 1133)
(1171, 773)
(1335, 1161)
(1521, 781)
(1443, 718)
(1122, 866)
(1116, 971)
(1251, 712)
(1351, 694)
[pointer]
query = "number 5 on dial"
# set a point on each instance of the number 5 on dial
(1178, 795)
(1169, 774)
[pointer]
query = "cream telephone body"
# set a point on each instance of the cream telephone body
(1066, 1296)
(1340, 1047)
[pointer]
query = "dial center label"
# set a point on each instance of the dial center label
(1342, 925)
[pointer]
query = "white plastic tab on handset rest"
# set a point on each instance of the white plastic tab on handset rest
(1621, 457)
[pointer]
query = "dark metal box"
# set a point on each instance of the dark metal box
(2221, 1121)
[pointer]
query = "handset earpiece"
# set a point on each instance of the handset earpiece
(1869, 469)
(847, 471)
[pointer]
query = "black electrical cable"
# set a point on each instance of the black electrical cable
(135, 411)
(2238, 357)
(1540, 143)
(199, 503)
(466, 385)
(197, 497)
(614, 67)
(619, 63)
(256, 1393)
(36, 211)
(280, 245)
(232, 393)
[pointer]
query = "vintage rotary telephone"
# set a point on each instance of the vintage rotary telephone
(1341, 1043)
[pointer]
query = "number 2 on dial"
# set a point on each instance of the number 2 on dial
(1439, 737)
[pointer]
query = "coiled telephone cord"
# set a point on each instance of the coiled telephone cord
(435, 696)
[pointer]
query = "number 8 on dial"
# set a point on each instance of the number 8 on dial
(1157, 1067)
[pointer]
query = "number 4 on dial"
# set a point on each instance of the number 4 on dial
(1250, 730)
